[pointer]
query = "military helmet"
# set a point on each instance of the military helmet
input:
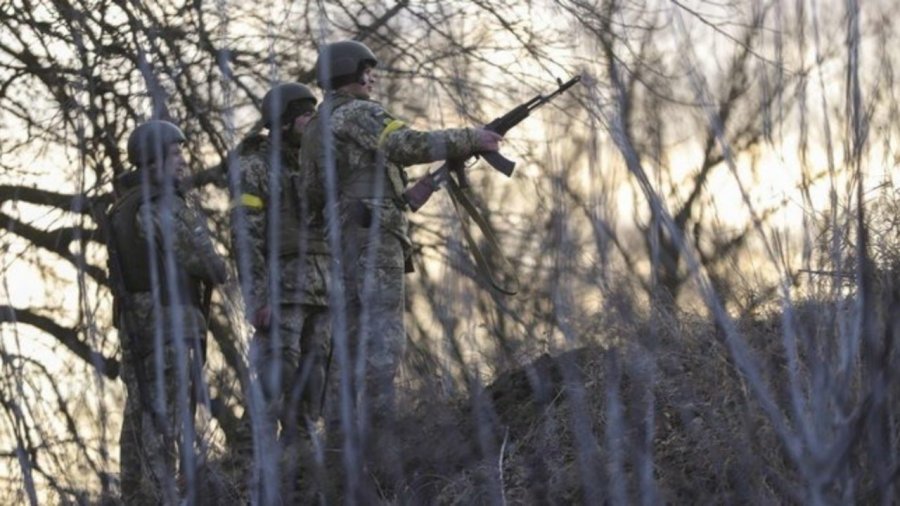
(341, 62)
(277, 100)
(152, 138)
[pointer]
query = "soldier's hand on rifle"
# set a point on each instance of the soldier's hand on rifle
(487, 143)
(487, 140)
(262, 318)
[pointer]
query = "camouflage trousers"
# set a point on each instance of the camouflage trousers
(373, 273)
(158, 411)
(289, 362)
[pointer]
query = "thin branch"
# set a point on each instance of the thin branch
(68, 337)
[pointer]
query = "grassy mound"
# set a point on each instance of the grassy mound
(664, 417)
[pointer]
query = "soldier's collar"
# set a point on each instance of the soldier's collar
(130, 179)
(135, 178)
(341, 96)
(253, 143)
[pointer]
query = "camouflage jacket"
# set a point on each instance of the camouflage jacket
(370, 149)
(302, 257)
(168, 223)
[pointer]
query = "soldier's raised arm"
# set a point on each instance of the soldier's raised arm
(368, 123)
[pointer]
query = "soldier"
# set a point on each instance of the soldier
(283, 266)
(365, 149)
(161, 259)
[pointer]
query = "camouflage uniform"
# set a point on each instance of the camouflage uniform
(292, 353)
(370, 149)
(151, 428)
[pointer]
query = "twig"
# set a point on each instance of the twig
(500, 467)
(838, 274)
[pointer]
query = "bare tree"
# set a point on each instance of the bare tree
(618, 203)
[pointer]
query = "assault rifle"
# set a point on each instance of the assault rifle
(419, 193)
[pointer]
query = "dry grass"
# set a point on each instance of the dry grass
(542, 434)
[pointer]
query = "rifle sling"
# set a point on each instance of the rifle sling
(196, 360)
(461, 198)
(197, 356)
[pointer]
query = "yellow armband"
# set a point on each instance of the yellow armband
(390, 127)
(249, 201)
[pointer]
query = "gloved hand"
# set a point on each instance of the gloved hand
(487, 140)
